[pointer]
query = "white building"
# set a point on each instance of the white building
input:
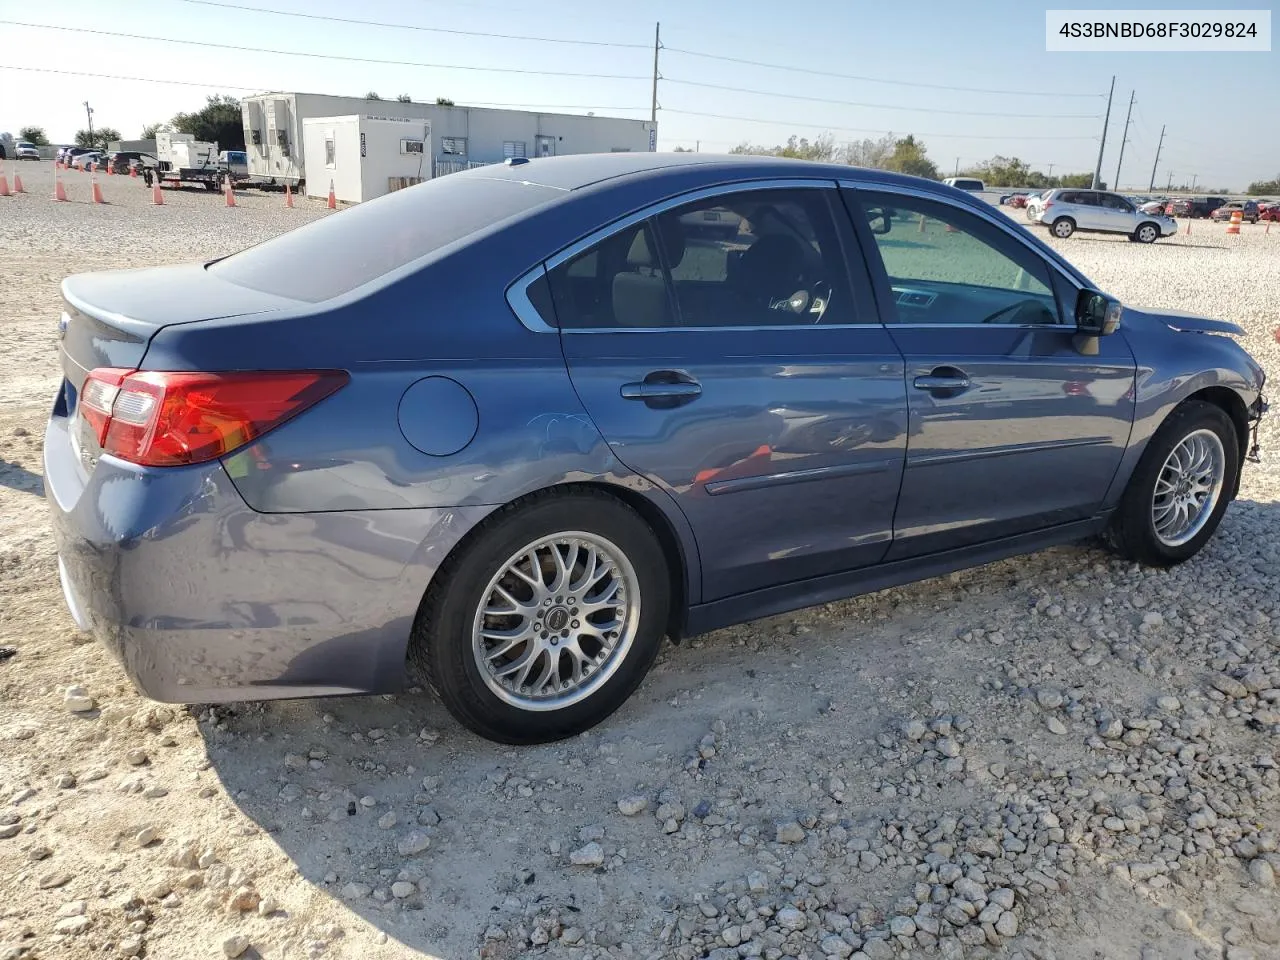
(274, 126)
(363, 157)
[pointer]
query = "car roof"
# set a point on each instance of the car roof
(578, 171)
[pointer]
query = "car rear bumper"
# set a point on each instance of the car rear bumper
(202, 599)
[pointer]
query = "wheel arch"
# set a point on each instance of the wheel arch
(1232, 404)
(665, 521)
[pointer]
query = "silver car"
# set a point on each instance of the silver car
(1066, 211)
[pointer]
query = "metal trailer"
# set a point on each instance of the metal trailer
(182, 159)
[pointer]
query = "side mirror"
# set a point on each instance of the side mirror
(1097, 315)
(879, 220)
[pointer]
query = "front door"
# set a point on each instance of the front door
(726, 354)
(1012, 429)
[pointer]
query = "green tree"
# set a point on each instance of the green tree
(404, 98)
(1076, 180)
(99, 140)
(909, 157)
(219, 122)
(1261, 187)
(822, 149)
(874, 153)
(34, 135)
(444, 102)
(682, 150)
(151, 129)
(372, 95)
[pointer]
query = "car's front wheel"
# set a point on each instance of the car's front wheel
(1180, 487)
(548, 619)
(1063, 227)
(1147, 233)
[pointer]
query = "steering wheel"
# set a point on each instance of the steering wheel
(813, 300)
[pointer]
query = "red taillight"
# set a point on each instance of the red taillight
(1047, 204)
(162, 419)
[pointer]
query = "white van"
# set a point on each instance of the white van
(965, 183)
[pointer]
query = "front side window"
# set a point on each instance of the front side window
(1112, 202)
(947, 266)
(748, 259)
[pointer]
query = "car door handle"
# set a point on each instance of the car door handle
(662, 389)
(940, 382)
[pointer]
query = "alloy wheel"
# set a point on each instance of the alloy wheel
(556, 621)
(1188, 488)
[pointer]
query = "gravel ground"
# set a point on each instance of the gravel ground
(1059, 756)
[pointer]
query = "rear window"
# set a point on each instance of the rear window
(340, 252)
(968, 184)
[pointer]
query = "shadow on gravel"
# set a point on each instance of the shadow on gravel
(18, 477)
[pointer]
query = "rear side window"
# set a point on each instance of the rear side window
(340, 252)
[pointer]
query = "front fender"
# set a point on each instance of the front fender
(1179, 357)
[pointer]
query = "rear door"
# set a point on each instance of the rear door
(727, 352)
(1086, 210)
(1011, 428)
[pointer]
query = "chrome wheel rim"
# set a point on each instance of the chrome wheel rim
(1062, 229)
(556, 621)
(1147, 234)
(1188, 488)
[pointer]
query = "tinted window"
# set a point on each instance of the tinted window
(340, 252)
(946, 265)
(968, 184)
(1112, 202)
(759, 258)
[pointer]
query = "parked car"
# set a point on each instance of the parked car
(25, 150)
(275, 475)
(1066, 211)
(121, 161)
(1018, 201)
(1158, 205)
(1269, 211)
(81, 161)
(968, 184)
(68, 154)
(1196, 207)
(1248, 211)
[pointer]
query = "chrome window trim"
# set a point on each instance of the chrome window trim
(522, 306)
(990, 217)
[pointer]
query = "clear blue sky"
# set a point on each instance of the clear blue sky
(1219, 107)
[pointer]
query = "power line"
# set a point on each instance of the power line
(825, 126)
(228, 86)
(327, 56)
(849, 76)
(884, 106)
(410, 26)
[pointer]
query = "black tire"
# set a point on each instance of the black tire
(1147, 233)
(1063, 227)
(210, 186)
(1132, 532)
(441, 646)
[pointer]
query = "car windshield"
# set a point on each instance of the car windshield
(340, 252)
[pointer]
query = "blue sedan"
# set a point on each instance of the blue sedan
(513, 426)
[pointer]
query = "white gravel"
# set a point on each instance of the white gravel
(1059, 756)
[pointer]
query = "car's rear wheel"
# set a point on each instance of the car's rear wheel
(548, 619)
(1063, 227)
(1147, 233)
(1180, 488)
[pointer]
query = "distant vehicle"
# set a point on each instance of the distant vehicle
(1066, 211)
(966, 183)
(81, 161)
(1248, 211)
(1195, 207)
(1018, 201)
(1159, 205)
(183, 159)
(235, 162)
(122, 160)
(7, 146)
(1269, 212)
(26, 151)
(68, 154)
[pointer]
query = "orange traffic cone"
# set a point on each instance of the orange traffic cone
(228, 193)
(110, 170)
(157, 197)
(133, 171)
(1233, 228)
(59, 191)
(288, 197)
(333, 201)
(1188, 228)
(17, 186)
(96, 190)
(4, 184)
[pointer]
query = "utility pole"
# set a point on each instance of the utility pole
(1194, 177)
(88, 112)
(1123, 140)
(1097, 170)
(1168, 187)
(657, 43)
(697, 146)
(1151, 186)
(1051, 169)
(957, 173)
